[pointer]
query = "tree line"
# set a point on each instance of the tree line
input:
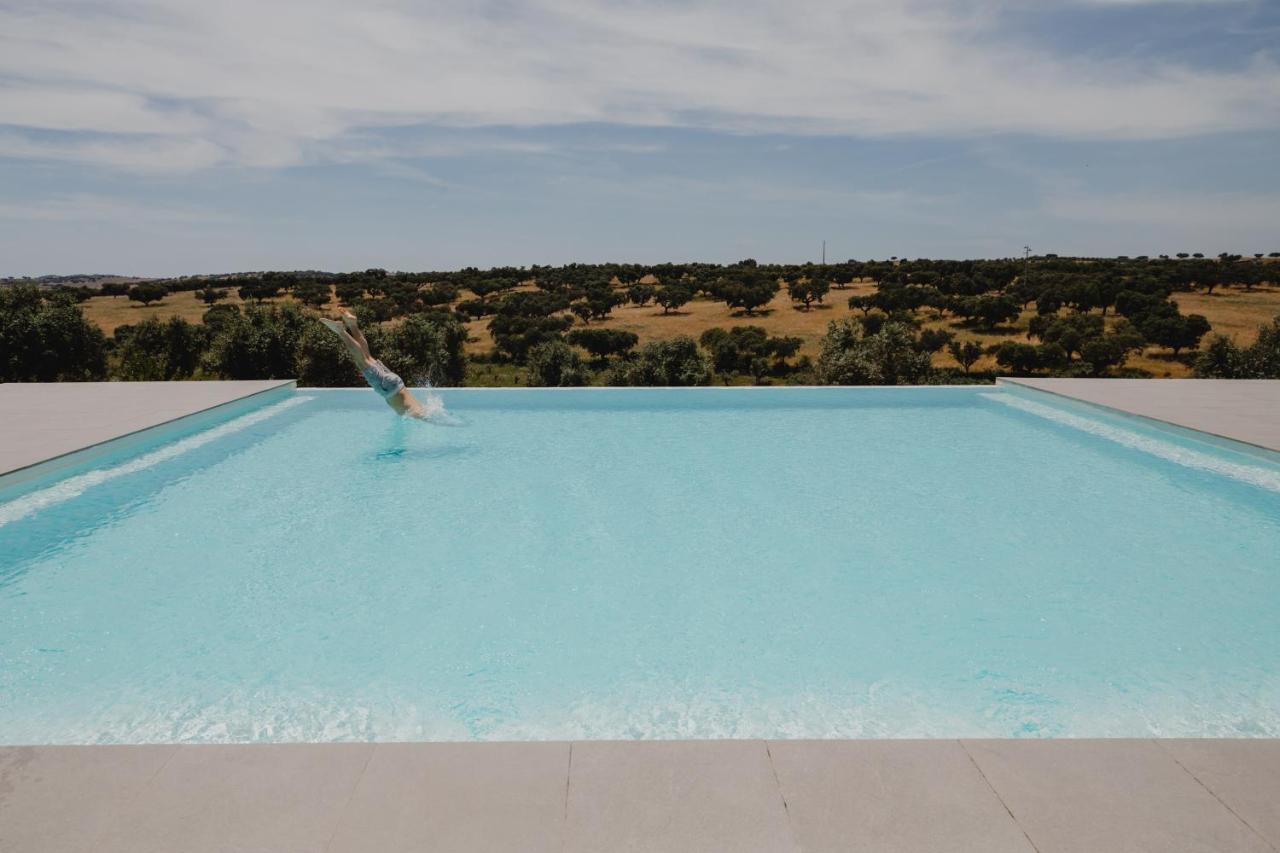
(1090, 316)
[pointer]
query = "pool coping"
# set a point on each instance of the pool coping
(1068, 391)
(256, 393)
(993, 796)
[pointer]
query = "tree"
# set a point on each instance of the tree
(47, 338)
(147, 292)
(966, 353)
(1072, 331)
(641, 294)
(596, 302)
(888, 357)
(1023, 359)
(349, 291)
(748, 349)
(438, 294)
(747, 291)
(1176, 332)
(993, 311)
(427, 349)
(156, 350)
(210, 295)
(672, 297)
(261, 343)
(525, 319)
(259, 290)
(218, 316)
(114, 288)
(486, 287)
(808, 290)
(603, 343)
(323, 361)
(315, 294)
(667, 362)
(933, 340)
(555, 364)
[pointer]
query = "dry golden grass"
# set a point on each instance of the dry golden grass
(1232, 312)
(110, 312)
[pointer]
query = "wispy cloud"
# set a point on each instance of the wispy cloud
(189, 86)
(92, 208)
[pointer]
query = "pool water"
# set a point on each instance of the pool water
(933, 562)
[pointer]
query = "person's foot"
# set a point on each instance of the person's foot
(349, 320)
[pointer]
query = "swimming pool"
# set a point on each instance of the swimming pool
(932, 562)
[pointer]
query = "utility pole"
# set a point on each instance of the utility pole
(1026, 263)
(824, 253)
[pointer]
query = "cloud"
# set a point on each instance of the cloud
(91, 208)
(188, 86)
(147, 154)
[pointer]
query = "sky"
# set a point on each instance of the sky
(168, 137)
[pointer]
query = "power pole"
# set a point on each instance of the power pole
(824, 253)
(1026, 263)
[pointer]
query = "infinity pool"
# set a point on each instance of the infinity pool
(646, 564)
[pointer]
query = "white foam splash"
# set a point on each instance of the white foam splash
(1266, 478)
(72, 487)
(433, 410)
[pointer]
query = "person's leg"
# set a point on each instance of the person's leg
(359, 354)
(352, 326)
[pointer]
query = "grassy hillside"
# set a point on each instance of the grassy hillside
(1232, 311)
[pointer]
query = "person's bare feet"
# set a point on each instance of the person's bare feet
(349, 320)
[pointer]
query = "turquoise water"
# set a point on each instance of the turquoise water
(646, 564)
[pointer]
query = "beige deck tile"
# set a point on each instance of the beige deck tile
(1244, 774)
(1098, 796)
(59, 799)
(468, 797)
(252, 798)
(891, 796)
(674, 796)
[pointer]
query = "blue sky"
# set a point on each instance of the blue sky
(156, 137)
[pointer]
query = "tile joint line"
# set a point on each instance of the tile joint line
(1212, 793)
(351, 795)
(564, 821)
(992, 788)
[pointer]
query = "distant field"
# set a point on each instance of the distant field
(1231, 311)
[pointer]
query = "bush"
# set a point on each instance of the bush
(890, 356)
(47, 339)
(322, 360)
(555, 364)
(159, 351)
(1222, 359)
(748, 349)
(426, 349)
(672, 361)
(261, 343)
(603, 343)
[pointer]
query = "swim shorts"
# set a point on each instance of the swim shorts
(382, 380)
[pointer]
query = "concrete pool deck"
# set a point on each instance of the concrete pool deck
(984, 796)
(1244, 410)
(40, 421)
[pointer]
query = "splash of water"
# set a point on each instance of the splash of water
(433, 410)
